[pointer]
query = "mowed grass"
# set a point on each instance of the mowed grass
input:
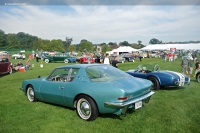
(170, 110)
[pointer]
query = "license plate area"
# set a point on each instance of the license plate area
(138, 104)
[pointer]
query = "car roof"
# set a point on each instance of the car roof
(81, 65)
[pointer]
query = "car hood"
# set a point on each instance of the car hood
(175, 74)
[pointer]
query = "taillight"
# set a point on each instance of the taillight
(123, 98)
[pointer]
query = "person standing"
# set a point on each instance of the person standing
(140, 57)
(190, 66)
(37, 57)
(197, 67)
(106, 59)
(184, 65)
(115, 62)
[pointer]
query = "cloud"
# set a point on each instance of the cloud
(104, 23)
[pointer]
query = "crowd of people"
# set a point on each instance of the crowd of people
(187, 65)
(19, 65)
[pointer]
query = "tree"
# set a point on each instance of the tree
(68, 42)
(139, 42)
(85, 45)
(72, 48)
(105, 48)
(12, 41)
(155, 41)
(113, 45)
(57, 45)
(2, 39)
(124, 43)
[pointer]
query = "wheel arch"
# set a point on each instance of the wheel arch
(81, 94)
(155, 76)
(27, 87)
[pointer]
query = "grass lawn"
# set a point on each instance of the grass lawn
(170, 110)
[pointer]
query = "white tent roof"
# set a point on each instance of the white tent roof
(193, 46)
(124, 49)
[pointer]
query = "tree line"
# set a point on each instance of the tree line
(26, 41)
(156, 41)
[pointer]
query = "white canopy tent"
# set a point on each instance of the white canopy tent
(194, 46)
(123, 49)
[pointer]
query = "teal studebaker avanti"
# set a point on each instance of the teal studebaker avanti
(91, 89)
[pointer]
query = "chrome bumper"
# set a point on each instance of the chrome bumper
(182, 83)
(130, 102)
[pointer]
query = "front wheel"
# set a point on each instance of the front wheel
(31, 94)
(156, 84)
(86, 108)
(10, 71)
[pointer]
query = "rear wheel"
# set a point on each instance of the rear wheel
(46, 60)
(156, 84)
(31, 94)
(86, 108)
(198, 77)
(66, 61)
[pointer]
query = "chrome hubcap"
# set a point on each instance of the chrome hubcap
(84, 109)
(30, 94)
(198, 78)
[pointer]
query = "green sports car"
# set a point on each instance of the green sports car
(91, 89)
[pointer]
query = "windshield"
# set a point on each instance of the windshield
(149, 67)
(104, 73)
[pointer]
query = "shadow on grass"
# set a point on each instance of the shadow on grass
(114, 116)
(111, 116)
(172, 88)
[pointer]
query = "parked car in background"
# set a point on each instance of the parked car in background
(129, 58)
(5, 66)
(119, 58)
(66, 58)
(154, 54)
(74, 53)
(85, 59)
(159, 78)
(18, 56)
(90, 89)
(2, 53)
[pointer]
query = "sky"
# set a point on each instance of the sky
(103, 23)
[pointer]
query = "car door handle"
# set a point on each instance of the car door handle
(61, 87)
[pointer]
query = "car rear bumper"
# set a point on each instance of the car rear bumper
(125, 105)
(144, 97)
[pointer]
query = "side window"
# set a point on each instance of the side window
(63, 74)
(72, 74)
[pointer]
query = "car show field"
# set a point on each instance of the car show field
(170, 110)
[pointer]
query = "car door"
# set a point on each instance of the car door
(51, 91)
(140, 74)
(53, 88)
(3, 66)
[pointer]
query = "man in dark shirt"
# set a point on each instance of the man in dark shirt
(115, 62)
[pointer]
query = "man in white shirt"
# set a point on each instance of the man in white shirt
(106, 59)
